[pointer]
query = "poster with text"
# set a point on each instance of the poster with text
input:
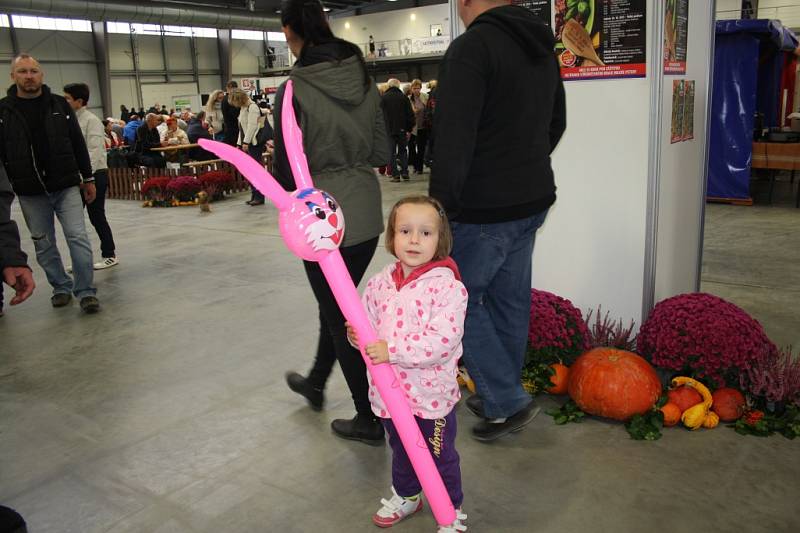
(676, 131)
(598, 39)
(676, 33)
(540, 8)
(688, 110)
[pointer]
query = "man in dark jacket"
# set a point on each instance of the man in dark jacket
(13, 261)
(399, 119)
(230, 116)
(45, 156)
(147, 138)
(500, 113)
(196, 130)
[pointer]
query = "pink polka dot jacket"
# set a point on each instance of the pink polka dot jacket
(422, 320)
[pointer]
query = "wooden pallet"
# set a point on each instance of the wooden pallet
(731, 201)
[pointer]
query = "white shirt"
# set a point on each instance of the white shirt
(95, 137)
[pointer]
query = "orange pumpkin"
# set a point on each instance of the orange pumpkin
(613, 383)
(729, 404)
(684, 397)
(560, 379)
(672, 414)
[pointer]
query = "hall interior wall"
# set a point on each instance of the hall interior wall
(392, 25)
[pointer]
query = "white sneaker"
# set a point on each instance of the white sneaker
(457, 524)
(107, 262)
(396, 509)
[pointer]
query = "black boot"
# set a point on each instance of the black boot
(301, 386)
(364, 428)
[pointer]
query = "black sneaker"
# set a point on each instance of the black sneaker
(395, 179)
(406, 177)
(487, 430)
(61, 299)
(300, 385)
(90, 305)
(475, 405)
(363, 428)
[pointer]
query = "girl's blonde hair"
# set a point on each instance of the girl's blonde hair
(212, 99)
(238, 98)
(416, 83)
(445, 245)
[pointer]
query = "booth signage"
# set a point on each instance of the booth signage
(676, 32)
(682, 111)
(247, 84)
(598, 39)
(540, 8)
(430, 45)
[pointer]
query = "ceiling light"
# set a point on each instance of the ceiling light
(413, 16)
(326, 9)
(347, 25)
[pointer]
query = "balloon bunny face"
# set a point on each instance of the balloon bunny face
(313, 225)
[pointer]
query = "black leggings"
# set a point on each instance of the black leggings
(333, 343)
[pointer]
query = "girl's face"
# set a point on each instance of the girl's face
(416, 235)
(415, 90)
(220, 97)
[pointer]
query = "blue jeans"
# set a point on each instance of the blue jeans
(39, 212)
(495, 265)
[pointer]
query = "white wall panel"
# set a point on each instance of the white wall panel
(179, 53)
(207, 54)
(6, 50)
(123, 92)
(163, 93)
(119, 52)
(56, 45)
(210, 83)
(392, 25)
(682, 170)
(150, 57)
(245, 57)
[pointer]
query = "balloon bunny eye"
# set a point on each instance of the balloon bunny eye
(332, 205)
(319, 212)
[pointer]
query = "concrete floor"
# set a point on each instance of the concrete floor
(168, 412)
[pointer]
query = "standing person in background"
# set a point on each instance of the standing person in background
(338, 109)
(49, 172)
(214, 117)
(399, 120)
(371, 46)
(14, 270)
(230, 115)
(419, 135)
(124, 114)
(249, 117)
(77, 96)
(500, 113)
(430, 111)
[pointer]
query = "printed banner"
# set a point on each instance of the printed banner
(682, 111)
(598, 39)
(676, 33)
(540, 8)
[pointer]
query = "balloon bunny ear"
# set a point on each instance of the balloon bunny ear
(252, 170)
(293, 140)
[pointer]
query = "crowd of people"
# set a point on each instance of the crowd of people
(459, 290)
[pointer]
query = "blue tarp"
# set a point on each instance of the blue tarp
(747, 70)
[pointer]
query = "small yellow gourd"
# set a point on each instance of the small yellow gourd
(700, 414)
(711, 421)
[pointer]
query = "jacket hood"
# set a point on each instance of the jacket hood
(428, 270)
(334, 70)
(12, 91)
(532, 34)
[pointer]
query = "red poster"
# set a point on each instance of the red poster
(676, 33)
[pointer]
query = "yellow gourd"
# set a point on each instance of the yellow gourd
(711, 421)
(700, 414)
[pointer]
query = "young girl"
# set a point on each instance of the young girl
(417, 307)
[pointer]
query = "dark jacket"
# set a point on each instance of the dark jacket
(147, 139)
(11, 255)
(397, 112)
(500, 112)
(67, 157)
(196, 131)
(344, 135)
(230, 121)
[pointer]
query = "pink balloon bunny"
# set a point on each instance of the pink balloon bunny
(312, 226)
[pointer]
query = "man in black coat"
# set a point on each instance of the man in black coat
(500, 112)
(13, 261)
(399, 119)
(196, 130)
(147, 138)
(48, 165)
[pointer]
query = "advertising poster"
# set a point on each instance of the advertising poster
(688, 110)
(540, 8)
(598, 39)
(676, 131)
(676, 32)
